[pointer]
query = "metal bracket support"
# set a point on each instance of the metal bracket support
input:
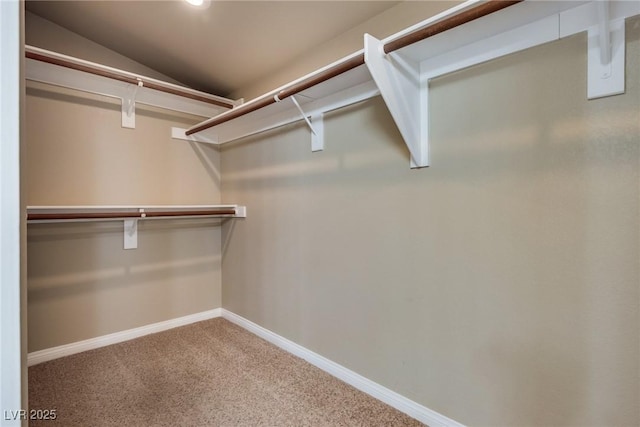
(405, 94)
(129, 106)
(606, 55)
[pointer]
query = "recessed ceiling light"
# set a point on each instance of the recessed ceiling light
(197, 4)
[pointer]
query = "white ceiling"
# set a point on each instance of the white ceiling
(218, 49)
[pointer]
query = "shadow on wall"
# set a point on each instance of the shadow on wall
(98, 101)
(78, 153)
(208, 154)
(490, 155)
(82, 284)
(77, 258)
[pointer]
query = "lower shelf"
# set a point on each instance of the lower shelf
(110, 213)
(130, 215)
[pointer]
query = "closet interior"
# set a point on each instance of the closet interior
(305, 217)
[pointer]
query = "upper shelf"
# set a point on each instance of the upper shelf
(401, 66)
(66, 71)
(343, 82)
(352, 84)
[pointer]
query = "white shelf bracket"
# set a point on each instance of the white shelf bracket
(129, 106)
(405, 95)
(606, 54)
(316, 125)
(130, 233)
(317, 137)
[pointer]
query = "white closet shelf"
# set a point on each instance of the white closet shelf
(66, 71)
(401, 66)
(130, 215)
(40, 214)
(350, 83)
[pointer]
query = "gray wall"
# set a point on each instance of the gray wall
(81, 282)
(497, 287)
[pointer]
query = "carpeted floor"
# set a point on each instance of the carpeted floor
(211, 373)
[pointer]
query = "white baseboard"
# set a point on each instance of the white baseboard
(391, 398)
(105, 340)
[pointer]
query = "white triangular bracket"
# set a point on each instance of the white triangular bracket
(405, 95)
(317, 137)
(606, 55)
(129, 106)
(316, 125)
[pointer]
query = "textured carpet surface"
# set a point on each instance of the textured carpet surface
(210, 373)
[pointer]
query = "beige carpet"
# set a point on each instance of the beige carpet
(211, 373)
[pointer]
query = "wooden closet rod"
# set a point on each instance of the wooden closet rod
(423, 33)
(295, 88)
(127, 78)
(114, 215)
(449, 23)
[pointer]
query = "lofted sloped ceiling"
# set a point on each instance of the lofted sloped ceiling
(218, 48)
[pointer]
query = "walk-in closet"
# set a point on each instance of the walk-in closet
(320, 213)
